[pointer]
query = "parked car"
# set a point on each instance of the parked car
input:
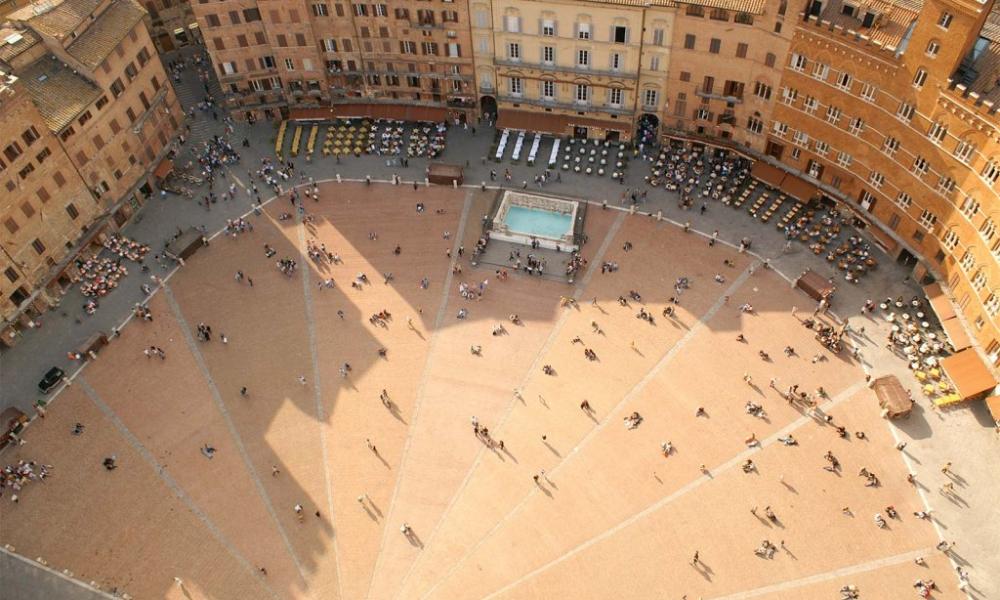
(51, 379)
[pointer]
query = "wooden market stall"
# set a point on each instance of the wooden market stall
(444, 174)
(893, 398)
(186, 244)
(815, 285)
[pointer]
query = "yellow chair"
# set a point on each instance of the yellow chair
(921, 376)
(944, 386)
(935, 373)
(928, 389)
(946, 400)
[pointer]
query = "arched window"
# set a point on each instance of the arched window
(933, 47)
(979, 280)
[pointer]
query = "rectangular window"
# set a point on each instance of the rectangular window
(822, 148)
(810, 105)
(516, 86)
(583, 31)
(549, 28)
(789, 95)
(927, 219)
(991, 172)
(583, 58)
(762, 90)
(582, 92)
(689, 41)
(844, 159)
(71, 210)
(715, 45)
(856, 126)
(905, 112)
(654, 63)
(844, 81)
(11, 273)
(616, 61)
(937, 132)
(741, 50)
(548, 89)
(832, 114)
(821, 71)
(946, 185)
(548, 54)
(868, 92)
(798, 62)
(38, 246)
(657, 37)
(876, 179)
(513, 24)
(650, 98)
(615, 96)
(964, 150)
(890, 145)
(620, 33)
(920, 166)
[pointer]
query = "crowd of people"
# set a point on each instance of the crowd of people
(14, 477)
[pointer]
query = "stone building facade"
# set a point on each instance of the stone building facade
(404, 59)
(105, 113)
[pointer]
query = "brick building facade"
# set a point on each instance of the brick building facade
(99, 102)
(891, 108)
(409, 59)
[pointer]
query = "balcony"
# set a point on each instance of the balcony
(574, 106)
(723, 97)
(540, 66)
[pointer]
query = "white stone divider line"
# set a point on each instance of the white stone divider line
(317, 386)
(533, 369)
(910, 468)
(233, 431)
(667, 357)
(424, 376)
(693, 485)
(170, 482)
(827, 576)
(91, 590)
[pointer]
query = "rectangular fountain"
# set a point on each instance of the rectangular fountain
(523, 218)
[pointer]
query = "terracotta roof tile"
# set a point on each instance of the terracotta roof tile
(59, 93)
(56, 18)
(106, 32)
(13, 42)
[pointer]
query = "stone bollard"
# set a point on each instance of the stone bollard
(659, 215)
(631, 209)
(483, 186)
(454, 183)
(339, 180)
(427, 182)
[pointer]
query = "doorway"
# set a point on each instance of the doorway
(580, 133)
(906, 258)
(488, 107)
